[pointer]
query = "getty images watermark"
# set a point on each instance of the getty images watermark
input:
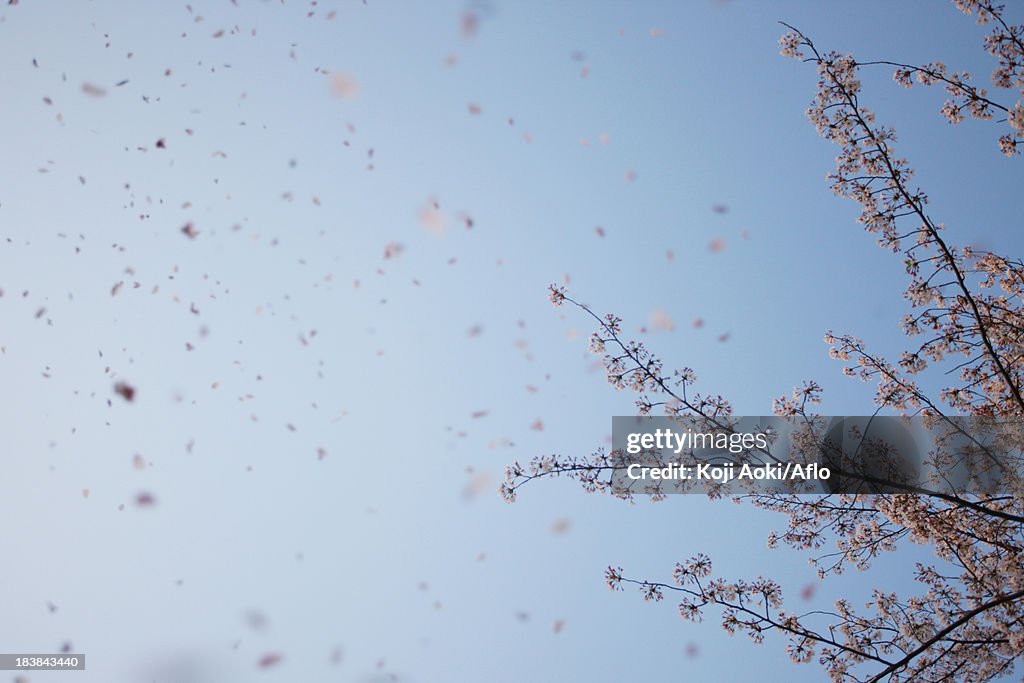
(685, 439)
(808, 455)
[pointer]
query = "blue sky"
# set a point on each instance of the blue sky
(393, 551)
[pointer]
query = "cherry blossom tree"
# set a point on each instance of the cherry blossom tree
(966, 622)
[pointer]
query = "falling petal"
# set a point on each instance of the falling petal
(432, 218)
(269, 660)
(561, 526)
(256, 620)
(93, 90)
(477, 485)
(125, 391)
(661, 321)
(344, 85)
(469, 25)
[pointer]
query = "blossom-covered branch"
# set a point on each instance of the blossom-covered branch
(966, 623)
